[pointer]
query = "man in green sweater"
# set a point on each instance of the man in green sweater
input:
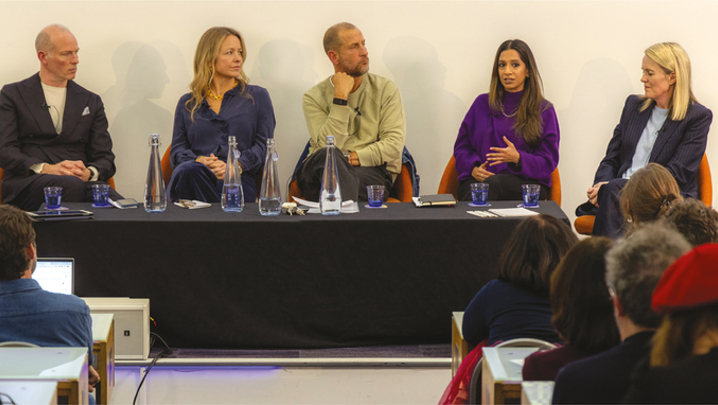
(362, 111)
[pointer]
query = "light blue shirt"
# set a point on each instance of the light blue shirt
(648, 138)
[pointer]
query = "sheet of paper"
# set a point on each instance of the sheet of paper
(348, 206)
(513, 212)
(519, 362)
(312, 204)
(192, 204)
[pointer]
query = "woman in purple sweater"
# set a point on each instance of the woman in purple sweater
(510, 136)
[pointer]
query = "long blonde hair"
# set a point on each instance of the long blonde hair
(204, 60)
(672, 58)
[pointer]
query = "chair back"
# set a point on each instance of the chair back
(449, 183)
(166, 166)
(17, 344)
(475, 385)
(554, 193)
(705, 182)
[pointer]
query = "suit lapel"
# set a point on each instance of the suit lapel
(75, 104)
(668, 130)
(34, 98)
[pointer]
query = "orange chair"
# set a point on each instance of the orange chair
(584, 223)
(402, 188)
(449, 183)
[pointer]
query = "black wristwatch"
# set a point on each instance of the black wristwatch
(339, 101)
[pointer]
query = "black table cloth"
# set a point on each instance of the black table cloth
(218, 280)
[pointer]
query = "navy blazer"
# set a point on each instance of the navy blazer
(28, 136)
(679, 147)
(604, 378)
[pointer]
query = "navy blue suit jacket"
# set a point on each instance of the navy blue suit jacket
(604, 378)
(679, 147)
(28, 136)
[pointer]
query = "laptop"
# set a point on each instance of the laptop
(55, 274)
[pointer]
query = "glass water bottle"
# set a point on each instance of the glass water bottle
(155, 198)
(330, 196)
(270, 197)
(232, 192)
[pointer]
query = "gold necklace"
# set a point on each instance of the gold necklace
(221, 96)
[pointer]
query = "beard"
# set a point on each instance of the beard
(356, 70)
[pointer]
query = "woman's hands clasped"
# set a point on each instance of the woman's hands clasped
(217, 166)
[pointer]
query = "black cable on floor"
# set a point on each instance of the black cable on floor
(166, 352)
(2, 394)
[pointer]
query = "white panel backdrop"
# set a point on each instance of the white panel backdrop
(138, 57)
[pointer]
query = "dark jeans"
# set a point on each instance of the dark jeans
(502, 186)
(194, 181)
(73, 190)
(352, 180)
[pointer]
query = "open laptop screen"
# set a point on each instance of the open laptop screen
(56, 274)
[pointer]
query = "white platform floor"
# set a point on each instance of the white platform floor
(277, 385)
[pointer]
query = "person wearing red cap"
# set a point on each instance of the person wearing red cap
(635, 265)
(683, 365)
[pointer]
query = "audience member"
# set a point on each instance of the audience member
(27, 312)
(516, 305)
(220, 104)
(684, 357)
(697, 222)
(53, 132)
(648, 194)
(510, 136)
(634, 267)
(362, 111)
(582, 310)
(668, 108)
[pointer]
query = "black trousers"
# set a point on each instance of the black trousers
(502, 186)
(352, 180)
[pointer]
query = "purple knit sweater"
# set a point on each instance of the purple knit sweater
(482, 129)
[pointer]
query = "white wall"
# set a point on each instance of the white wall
(138, 55)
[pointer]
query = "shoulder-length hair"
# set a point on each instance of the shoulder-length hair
(649, 193)
(533, 251)
(672, 58)
(528, 122)
(581, 304)
(204, 59)
(675, 338)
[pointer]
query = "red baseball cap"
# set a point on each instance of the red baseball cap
(691, 281)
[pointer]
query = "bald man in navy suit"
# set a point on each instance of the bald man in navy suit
(53, 132)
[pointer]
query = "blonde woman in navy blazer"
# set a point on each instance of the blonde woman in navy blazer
(666, 126)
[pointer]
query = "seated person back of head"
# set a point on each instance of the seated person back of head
(697, 222)
(683, 366)
(27, 312)
(517, 304)
(634, 267)
(582, 310)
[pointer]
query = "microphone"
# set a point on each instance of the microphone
(44, 105)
